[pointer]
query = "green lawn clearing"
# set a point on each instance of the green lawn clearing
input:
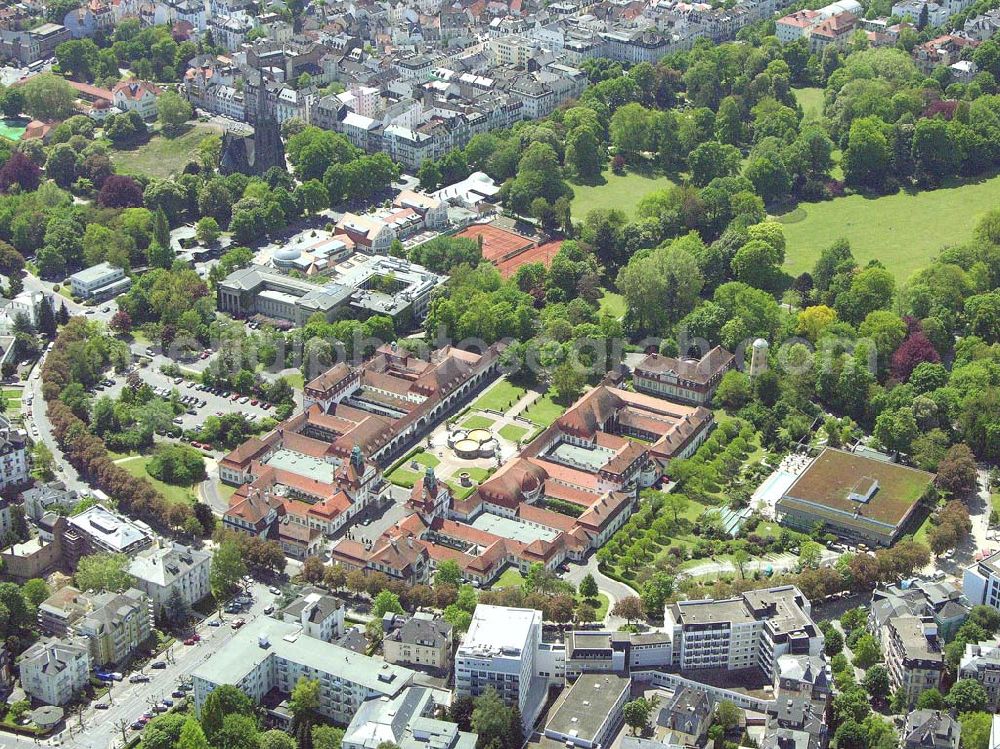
(477, 422)
(478, 474)
(500, 397)
(995, 500)
(544, 411)
(513, 433)
(295, 380)
(612, 303)
(511, 578)
(175, 494)
(225, 491)
(904, 231)
(923, 530)
(618, 191)
(161, 156)
(811, 100)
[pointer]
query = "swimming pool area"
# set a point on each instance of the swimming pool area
(774, 486)
(13, 128)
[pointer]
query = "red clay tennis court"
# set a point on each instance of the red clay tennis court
(508, 250)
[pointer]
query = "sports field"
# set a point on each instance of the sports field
(904, 231)
(618, 191)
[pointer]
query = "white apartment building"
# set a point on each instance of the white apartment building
(320, 615)
(166, 567)
(753, 630)
(267, 654)
(137, 96)
(54, 672)
(499, 652)
(13, 455)
(981, 661)
(981, 582)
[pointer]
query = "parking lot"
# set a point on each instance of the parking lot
(200, 401)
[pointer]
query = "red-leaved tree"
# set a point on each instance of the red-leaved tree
(119, 191)
(19, 170)
(915, 350)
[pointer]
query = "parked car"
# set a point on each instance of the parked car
(214, 623)
(275, 590)
(237, 623)
(138, 725)
(101, 706)
(168, 702)
(177, 694)
(190, 641)
(158, 664)
(138, 678)
(269, 608)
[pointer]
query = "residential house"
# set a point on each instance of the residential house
(55, 671)
(420, 640)
(931, 729)
(137, 96)
(168, 570)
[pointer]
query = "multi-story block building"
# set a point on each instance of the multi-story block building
(168, 568)
(912, 655)
(981, 582)
(97, 529)
(100, 281)
(116, 626)
(406, 720)
(753, 630)
(56, 671)
(13, 455)
(498, 652)
(268, 654)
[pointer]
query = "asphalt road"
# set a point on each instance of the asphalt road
(101, 729)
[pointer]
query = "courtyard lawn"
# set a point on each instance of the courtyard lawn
(811, 101)
(544, 411)
(602, 605)
(225, 491)
(477, 422)
(511, 578)
(403, 477)
(612, 303)
(295, 380)
(460, 492)
(426, 459)
(161, 156)
(173, 494)
(923, 530)
(904, 231)
(621, 191)
(513, 433)
(500, 397)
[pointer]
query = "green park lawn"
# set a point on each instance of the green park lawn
(612, 303)
(477, 422)
(174, 494)
(161, 156)
(904, 231)
(512, 433)
(544, 411)
(621, 191)
(500, 397)
(811, 100)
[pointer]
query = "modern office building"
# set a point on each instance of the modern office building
(498, 652)
(589, 713)
(267, 654)
(97, 529)
(981, 582)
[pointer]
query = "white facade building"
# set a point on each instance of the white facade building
(167, 567)
(981, 583)
(499, 652)
(55, 672)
